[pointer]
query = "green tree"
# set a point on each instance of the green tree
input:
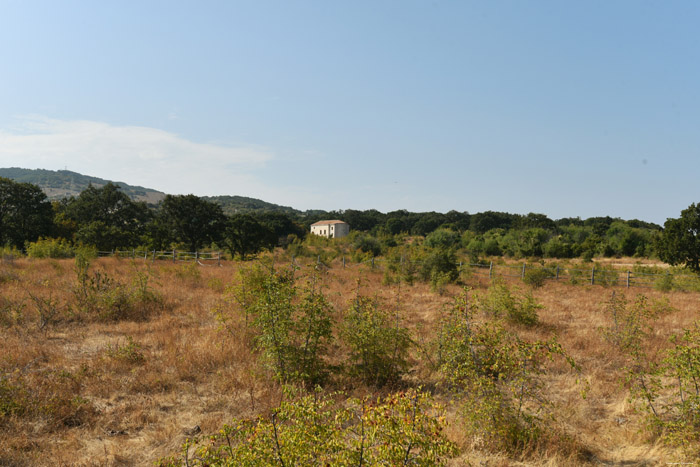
(106, 217)
(679, 242)
(191, 220)
(244, 235)
(25, 213)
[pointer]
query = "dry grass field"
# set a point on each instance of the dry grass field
(128, 389)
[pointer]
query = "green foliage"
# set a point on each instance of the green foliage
(106, 217)
(25, 213)
(606, 276)
(378, 343)
(12, 398)
(631, 325)
(400, 429)
(50, 248)
(244, 235)
(292, 324)
(536, 277)
(664, 283)
(367, 244)
(442, 238)
(679, 242)
(669, 390)
(679, 421)
(499, 301)
(129, 352)
(101, 298)
(497, 376)
(439, 264)
(190, 220)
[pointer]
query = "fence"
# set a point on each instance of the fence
(201, 257)
(593, 276)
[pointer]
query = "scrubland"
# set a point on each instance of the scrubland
(119, 362)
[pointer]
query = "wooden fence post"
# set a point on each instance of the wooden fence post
(490, 269)
(372, 262)
(196, 256)
(218, 258)
(522, 275)
(343, 262)
(557, 276)
(628, 279)
(593, 276)
(173, 256)
(154, 257)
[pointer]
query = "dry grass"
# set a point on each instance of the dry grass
(83, 401)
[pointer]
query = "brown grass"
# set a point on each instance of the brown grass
(84, 404)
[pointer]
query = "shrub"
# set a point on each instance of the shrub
(291, 325)
(130, 352)
(439, 262)
(498, 377)
(400, 429)
(442, 238)
(664, 283)
(378, 344)
(50, 248)
(501, 302)
(102, 298)
(368, 244)
(535, 277)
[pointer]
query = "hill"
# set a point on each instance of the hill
(58, 184)
(242, 204)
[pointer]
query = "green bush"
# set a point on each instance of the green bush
(441, 238)
(50, 248)
(378, 345)
(501, 302)
(399, 429)
(439, 263)
(130, 352)
(497, 376)
(101, 298)
(535, 277)
(291, 324)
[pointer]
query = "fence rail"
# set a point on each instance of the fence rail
(204, 258)
(594, 275)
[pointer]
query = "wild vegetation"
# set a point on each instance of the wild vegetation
(389, 346)
(118, 361)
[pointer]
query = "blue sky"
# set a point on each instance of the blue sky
(563, 108)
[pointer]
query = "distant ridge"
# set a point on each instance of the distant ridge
(242, 204)
(59, 184)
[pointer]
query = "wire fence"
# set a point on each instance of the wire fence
(595, 275)
(203, 258)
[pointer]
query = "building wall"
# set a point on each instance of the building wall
(331, 230)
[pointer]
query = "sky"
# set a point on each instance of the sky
(565, 108)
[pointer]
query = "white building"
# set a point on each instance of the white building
(330, 229)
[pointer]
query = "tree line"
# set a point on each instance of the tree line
(107, 218)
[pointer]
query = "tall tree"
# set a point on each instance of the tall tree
(191, 220)
(25, 213)
(106, 217)
(244, 236)
(679, 243)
